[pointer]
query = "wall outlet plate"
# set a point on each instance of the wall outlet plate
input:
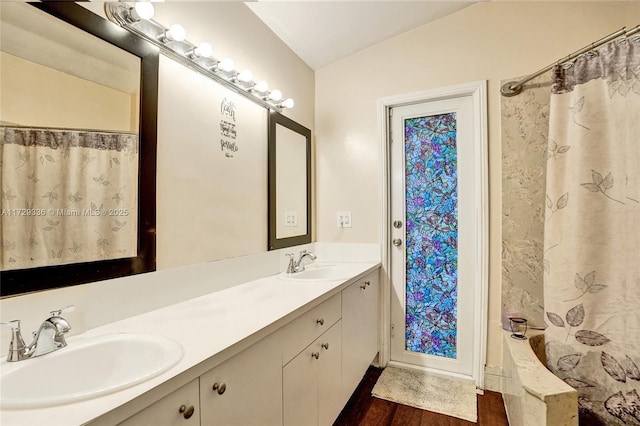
(344, 219)
(290, 218)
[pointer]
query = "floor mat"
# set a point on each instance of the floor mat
(449, 396)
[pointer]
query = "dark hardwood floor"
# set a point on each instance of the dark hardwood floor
(365, 410)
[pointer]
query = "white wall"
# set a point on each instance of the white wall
(36, 95)
(217, 192)
(190, 220)
(492, 41)
(211, 201)
(234, 31)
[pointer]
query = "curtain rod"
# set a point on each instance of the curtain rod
(64, 129)
(514, 88)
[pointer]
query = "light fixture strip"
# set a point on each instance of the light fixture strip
(152, 32)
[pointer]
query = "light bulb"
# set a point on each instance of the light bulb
(276, 95)
(204, 50)
(288, 103)
(245, 76)
(144, 10)
(261, 86)
(225, 65)
(175, 33)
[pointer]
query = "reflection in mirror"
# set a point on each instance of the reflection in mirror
(69, 143)
(70, 121)
(289, 182)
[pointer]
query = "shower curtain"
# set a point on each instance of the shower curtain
(592, 232)
(68, 196)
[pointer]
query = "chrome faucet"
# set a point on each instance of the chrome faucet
(298, 266)
(48, 338)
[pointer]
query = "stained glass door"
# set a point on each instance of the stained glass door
(432, 256)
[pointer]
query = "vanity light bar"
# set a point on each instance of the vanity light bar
(173, 43)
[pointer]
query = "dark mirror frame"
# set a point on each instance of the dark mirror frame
(275, 118)
(42, 278)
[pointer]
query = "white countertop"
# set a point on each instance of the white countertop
(210, 328)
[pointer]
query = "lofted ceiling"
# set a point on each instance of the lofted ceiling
(323, 32)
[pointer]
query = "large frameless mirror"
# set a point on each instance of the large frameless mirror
(77, 148)
(289, 182)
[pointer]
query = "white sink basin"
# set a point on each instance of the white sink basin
(85, 369)
(320, 273)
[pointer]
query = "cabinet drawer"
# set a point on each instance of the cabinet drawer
(299, 333)
(178, 408)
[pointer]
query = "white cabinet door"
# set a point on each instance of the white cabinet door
(312, 382)
(330, 398)
(179, 408)
(300, 388)
(360, 313)
(248, 388)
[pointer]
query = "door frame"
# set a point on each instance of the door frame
(478, 91)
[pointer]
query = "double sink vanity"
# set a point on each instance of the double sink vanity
(207, 329)
(286, 349)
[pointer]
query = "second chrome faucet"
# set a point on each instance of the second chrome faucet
(298, 266)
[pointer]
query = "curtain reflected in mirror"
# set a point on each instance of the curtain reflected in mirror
(67, 196)
(70, 112)
(77, 148)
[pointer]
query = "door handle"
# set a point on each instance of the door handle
(397, 242)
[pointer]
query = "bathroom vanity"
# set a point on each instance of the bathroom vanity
(273, 351)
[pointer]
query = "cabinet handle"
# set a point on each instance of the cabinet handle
(362, 286)
(320, 321)
(186, 412)
(315, 355)
(325, 346)
(221, 388)
(367, 282)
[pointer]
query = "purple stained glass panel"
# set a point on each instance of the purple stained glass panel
(431, 234)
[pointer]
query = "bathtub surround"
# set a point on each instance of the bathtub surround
(592, 274)
(533, 395)
(525, 128)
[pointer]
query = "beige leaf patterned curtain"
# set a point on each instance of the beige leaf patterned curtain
(592, 232)
(67, 196)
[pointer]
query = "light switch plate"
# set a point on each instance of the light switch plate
(290, 218)
(344, 219)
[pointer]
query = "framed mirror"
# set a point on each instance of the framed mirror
(78, 148)
(289, 182)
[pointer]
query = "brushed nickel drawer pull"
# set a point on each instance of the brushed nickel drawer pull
(186, 412)
(220, 388)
